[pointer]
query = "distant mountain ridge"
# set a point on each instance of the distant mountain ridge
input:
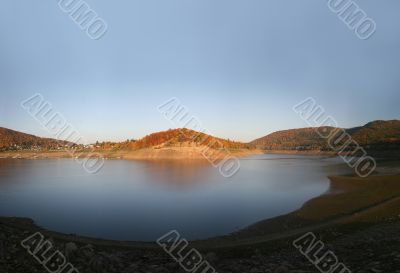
(377, 134)
(374, 135)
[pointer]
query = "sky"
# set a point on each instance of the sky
(238, 66)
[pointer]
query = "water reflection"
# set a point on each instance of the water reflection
(140, 200)
(178, 173)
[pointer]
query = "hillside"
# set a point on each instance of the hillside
(171, 144)
(294, 139)
(14, 140)
(374, 135)
(175, 138)
(377, 132)
(177, 144)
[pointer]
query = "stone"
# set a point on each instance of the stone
(282, 269)
(70, 249)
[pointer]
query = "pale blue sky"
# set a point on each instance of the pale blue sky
(239, 66)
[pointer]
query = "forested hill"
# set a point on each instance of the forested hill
(14, 140)
(383, 135)
(181, 137)
(374, 135)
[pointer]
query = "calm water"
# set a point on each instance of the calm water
(135, 200)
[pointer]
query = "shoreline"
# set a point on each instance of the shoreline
(304, 152)
(178, 153)
(172, 153)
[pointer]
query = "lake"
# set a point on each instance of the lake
(142, 200)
